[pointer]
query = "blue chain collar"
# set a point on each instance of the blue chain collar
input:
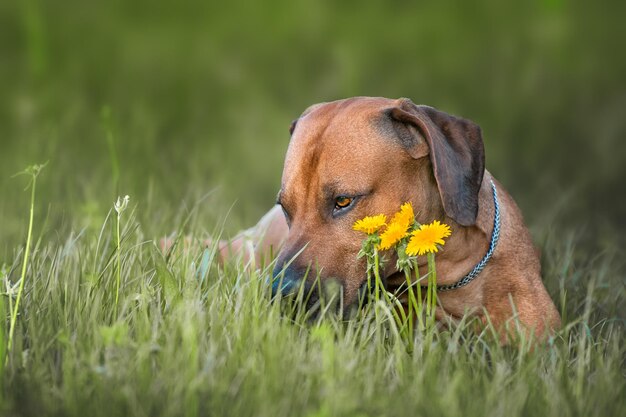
(492, 247)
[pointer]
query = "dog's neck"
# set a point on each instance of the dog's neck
(468, 245)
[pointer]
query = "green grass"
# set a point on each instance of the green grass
(196, 341)
(185, 106)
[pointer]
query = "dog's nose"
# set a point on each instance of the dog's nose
(285, 281)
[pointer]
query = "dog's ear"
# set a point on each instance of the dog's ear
(457, 155)
(292, 127)
(306, 111)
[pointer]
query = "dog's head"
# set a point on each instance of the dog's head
(362, 156)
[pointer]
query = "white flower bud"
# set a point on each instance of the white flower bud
(121, 204)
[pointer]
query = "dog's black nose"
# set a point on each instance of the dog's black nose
(285, 281)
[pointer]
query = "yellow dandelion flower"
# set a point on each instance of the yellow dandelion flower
(427, 237)
(370, 224)
(392, 235)
(405, 216)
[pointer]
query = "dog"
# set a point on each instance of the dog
(362, 156)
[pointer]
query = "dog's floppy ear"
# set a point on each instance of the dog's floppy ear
(457, 155)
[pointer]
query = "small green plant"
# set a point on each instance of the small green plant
(32, 171)
(120, 206)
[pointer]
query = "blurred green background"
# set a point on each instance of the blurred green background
(168, 101)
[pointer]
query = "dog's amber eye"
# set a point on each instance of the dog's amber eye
(342, 202)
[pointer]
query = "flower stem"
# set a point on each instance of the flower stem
(119, 267)
(412, 307)
(24, 266)
(420, 307)
(380, 288)
(378, 283)
(369, 280)
(432, 287)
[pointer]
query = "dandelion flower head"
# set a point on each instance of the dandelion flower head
(405, 216)
(427, 237)
(370, 224)
(392, 235)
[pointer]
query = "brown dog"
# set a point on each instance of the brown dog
(363, 156)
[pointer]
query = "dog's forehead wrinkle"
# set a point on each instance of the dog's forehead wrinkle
(302, 159)
(333, 152)
(337, 187)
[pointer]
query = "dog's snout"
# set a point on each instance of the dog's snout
(307, 288)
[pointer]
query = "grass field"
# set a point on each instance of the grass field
(185, 107)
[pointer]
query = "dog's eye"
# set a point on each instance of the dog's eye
(343, 202)
(286, 214)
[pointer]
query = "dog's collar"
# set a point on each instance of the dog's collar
(495, 234)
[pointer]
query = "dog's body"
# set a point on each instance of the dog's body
(376, 154)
